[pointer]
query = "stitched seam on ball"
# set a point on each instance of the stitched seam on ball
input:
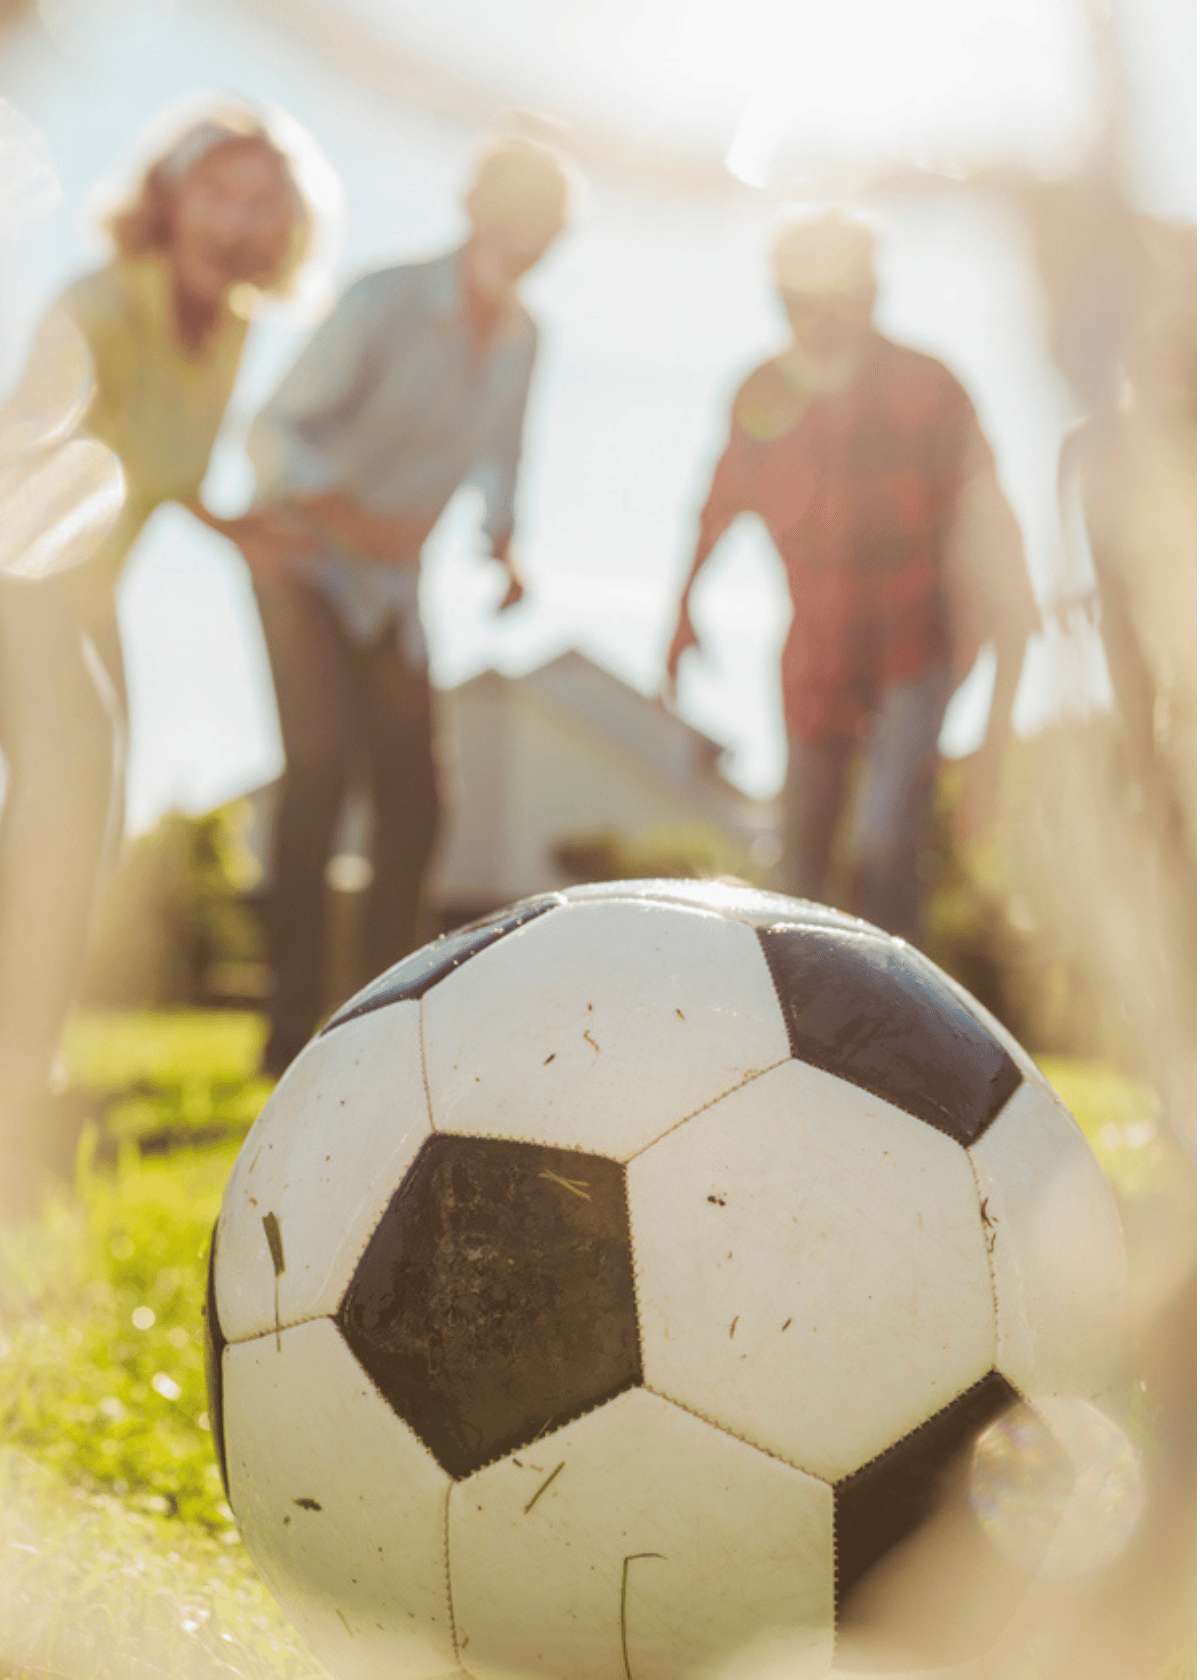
(424, 1065)
(845, 1481)
(780, 1000)
(837, 1596)
(934, 1122)
(398, 1415)
(449, 1583)
(316, 1318)
(544, 1142)
(988, 1248)
(368, 1232)
(746, 1079)
(545, 1434)
(635, 1272)
(279, 1329)
(735, 1435)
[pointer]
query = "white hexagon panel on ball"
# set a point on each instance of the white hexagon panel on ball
(640, 1540)
(833, 1291)
(317, 1170)
(1057, 1249)
(340, 1505)
(598, 1025)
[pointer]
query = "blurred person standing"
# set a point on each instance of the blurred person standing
(1129, 472)
(1103, 844)
(866, 463)
(1127, 485)
(416, 384)
(217, 218)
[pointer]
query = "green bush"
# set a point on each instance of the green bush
(176, 914)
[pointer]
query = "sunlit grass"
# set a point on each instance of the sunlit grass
(111, 1507)
(93, 1590)
(1118, 1116)
(102, 1305)
(103, 1337)
(115, 1050)
(157, 1075)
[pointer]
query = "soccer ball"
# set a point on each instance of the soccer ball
(616, 1287)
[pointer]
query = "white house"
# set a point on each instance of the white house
(566, 752)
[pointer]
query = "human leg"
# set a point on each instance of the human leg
(64, 729)
(107, 656)
(813, 796)
(312, 671)
(892, 821)
(404, 781)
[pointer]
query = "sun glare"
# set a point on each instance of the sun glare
(934, 83)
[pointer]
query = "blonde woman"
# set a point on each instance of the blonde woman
(216, 218)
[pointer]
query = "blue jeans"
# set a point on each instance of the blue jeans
(891, 817)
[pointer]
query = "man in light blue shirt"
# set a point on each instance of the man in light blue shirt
(416, 384)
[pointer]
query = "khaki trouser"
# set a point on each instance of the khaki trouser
(347, 709)
(63, 729)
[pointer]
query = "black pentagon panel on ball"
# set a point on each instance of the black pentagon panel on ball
(920, 1577)
(875, 1013)
(414, 975)
(214, 1347)
(495, 1300)
(514, 915)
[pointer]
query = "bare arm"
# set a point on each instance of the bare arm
(498, 474)
(726, 499)
(685, 636)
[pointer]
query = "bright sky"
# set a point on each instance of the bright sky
(652, 311)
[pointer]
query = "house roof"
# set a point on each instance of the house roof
(641, 728)
(637, 730)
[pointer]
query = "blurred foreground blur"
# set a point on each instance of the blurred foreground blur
(1062, 892)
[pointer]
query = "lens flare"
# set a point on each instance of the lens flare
(60, 493)
(58, 507)
(1071, 1491)
(55, 389)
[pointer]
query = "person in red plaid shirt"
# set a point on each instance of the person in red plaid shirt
(867, 465)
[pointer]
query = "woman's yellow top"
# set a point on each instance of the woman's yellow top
(156, 403)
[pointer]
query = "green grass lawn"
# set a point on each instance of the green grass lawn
(103, 1409)
(160, 1076)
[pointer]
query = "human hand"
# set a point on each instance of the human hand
(502, 554)
(514, 594)
(685, 637)
(271, 539)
